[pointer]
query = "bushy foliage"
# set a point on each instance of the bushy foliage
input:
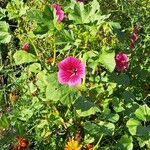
(74, 74)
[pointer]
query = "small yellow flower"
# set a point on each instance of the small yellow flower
(73, 145)
(12, 97)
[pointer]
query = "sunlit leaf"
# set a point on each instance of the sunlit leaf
(4, 34)
(125, 143)
(85, 108)
(107, 59)
(132, 125)
(22, 57)
(98, 129)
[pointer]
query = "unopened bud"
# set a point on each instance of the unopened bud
(26, 47)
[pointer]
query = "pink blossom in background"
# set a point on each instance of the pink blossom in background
(136, 29)
(134, 37)
(26, 47)
(71, 71)
(131, 45)
(121, 61)
(59, 12)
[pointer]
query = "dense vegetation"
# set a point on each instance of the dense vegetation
(74, 75)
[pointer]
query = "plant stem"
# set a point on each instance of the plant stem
(97, 145)
(54, 50)
(61, 119)
(35, 49)
(37, 54)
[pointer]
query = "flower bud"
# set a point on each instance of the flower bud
(59, 12)
(26, 47)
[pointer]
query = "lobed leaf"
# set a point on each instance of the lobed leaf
(22, 57)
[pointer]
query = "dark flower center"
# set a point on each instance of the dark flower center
(73, 71)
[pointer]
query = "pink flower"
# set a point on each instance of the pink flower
(134, 37)
(131, 45)
(121, 61)
(26, 47)
(135, 30)
(71, 71)
(59, 12)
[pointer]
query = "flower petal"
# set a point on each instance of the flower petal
(63, 76)
(75, 80)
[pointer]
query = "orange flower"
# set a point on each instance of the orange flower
(72, 145)
(15, 148)
(50, 60)
(23, 142)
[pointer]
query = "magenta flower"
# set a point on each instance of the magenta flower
(71, 71)
(26, 47)
(59, 12)
(134, 37)
(121, 61)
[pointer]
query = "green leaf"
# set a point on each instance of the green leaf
(22, 57)
(101, 19)
(143, 142)
(95, 14)
(48, 17)
(125, 143)
(42, 123)
(57, 92)
(79, 15)
(4, 122)
(48, 13)
(16, 8)
(85, 108)
(35, 15)
(128, 96)
(32, 87)
(117, 105)
(40, 81)
(25, 114)
(95, 7)
(132, 125)
(113, 117)
(92, 129)
(83, 14)
(121, 79)
(44, 20)
(107, 59)
(4, 34)
(100, 128)
(41, 29)
(115, 25)
(36, 104)
(2, 13)
(143, 132)
(130, 108)
(65, 37)
(94, 11)
(143, 113)
(107, 127)
(53, 91)
(35, 67)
